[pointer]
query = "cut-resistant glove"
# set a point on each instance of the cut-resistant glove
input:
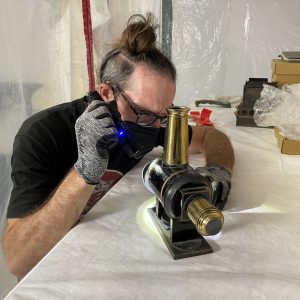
(220, 179)
(96, 134)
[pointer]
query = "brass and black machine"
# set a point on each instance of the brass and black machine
(183, 213)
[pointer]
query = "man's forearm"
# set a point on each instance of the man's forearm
(217, 149)
(28, 239)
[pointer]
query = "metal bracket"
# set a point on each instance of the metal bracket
(182, 241)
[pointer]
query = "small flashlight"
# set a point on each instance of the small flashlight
(121, 133)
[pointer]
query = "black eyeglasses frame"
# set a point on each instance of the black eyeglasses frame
(139, 113)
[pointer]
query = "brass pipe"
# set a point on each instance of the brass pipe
(176, 139)
(207, 219)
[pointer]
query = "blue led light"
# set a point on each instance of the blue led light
(121, 133)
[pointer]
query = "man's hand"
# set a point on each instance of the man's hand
(220, 182)
(95, 133)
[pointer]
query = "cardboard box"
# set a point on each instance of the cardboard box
(285, 72)
(287, 146)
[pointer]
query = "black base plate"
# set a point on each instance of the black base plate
(182, 249)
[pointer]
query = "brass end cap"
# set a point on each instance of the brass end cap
(207, 219)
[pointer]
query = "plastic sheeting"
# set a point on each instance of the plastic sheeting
(42, 64)
(219, 44)
(115, 252)
(280, 108)
(43, 61)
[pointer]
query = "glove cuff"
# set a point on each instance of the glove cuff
(212, 166)
(86, 179)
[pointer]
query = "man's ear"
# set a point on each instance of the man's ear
(106, 92)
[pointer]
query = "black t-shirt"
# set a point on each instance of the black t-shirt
(45, 149)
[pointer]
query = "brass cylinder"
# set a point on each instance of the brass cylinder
(207, 219)
(177, 136)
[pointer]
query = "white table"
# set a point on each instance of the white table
(116, 253)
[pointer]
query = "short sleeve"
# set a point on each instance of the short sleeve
(33, 175)
(44, 150)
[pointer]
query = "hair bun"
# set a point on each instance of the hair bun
(139, 36)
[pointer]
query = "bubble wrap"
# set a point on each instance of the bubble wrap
(280, 108)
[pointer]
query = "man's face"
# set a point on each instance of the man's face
(146, 91)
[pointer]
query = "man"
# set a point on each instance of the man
(60, 170)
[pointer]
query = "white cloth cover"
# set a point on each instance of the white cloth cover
(116, 252)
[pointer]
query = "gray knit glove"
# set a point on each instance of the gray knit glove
(220, 180)
(95, 134)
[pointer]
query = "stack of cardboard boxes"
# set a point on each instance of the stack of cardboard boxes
(286, 71)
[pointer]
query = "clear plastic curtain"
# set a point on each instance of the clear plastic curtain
(43, 59)
(219, 44)
(42, 62)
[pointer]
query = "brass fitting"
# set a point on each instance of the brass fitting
(207, 219)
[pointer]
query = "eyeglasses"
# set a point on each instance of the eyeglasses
(144, 118)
